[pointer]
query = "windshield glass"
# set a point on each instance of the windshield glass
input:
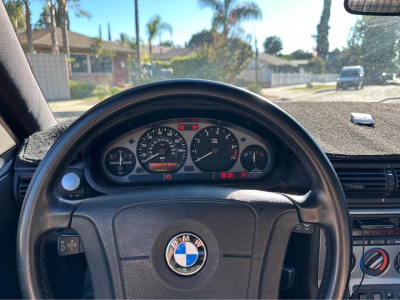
(348, 73)
(84, 51)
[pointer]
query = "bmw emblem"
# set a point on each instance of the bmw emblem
(186, 254)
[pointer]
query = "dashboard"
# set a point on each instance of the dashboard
(187, 149)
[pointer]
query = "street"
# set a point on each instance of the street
(389, 93)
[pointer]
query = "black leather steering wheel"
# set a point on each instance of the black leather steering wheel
(125, 235)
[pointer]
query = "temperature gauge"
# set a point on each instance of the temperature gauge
(120, 161)
(254, 159)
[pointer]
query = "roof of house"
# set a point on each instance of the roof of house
(173, 53)
(76, 41)
(155, 50)
(274, 60)
(300, 62)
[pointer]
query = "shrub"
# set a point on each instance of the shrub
(316, 66)
(80, 89)
(102, 92)
(254, 88)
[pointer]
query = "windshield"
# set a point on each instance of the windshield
(84, 51)
(348, 73)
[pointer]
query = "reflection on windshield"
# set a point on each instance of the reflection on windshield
(284, 50)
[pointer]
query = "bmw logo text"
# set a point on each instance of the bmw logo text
(186, 254)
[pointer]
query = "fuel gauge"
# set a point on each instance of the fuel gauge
(120, 161)
(254, 159)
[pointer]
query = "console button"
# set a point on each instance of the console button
(360, 242)
(376, 296)
(393, 241)
(69, 244)
(377, 242)
(389, 294)
(362, 296)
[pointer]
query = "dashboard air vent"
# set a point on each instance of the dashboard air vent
(397, 179)
(23, 187)
(363, 182)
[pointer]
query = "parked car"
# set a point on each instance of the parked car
(388, 76)
(377, 78)
(350, 76)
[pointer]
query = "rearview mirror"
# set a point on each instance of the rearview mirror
(373, 7)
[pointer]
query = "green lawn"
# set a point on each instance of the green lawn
(315, 87)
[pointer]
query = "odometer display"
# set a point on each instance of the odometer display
(162, 150)
(214, 149)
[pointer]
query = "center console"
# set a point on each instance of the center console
(376, 248)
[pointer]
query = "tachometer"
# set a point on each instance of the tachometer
(120, 161)
(214, 149)
(162, 150)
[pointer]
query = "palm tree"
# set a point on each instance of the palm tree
(63, 11)
(230, 12)
(54, 40)
(28, 25)
(15, 11)
(155, 27)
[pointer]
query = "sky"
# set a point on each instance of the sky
(294, 21)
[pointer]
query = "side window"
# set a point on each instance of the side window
(100, 65)
(6, 142)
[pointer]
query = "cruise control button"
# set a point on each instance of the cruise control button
(69, 245)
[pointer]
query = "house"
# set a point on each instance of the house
(267, 65)
(167, 56)
(301, 63)
(85, 66)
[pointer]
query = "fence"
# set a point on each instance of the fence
(283, 79)
(51, 72)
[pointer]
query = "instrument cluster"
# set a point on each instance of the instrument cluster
(187, 149)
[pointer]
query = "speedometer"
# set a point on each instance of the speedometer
(214, 149)
(162, 150)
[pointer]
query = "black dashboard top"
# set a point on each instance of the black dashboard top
(329, 123)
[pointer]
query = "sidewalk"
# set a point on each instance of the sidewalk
(295, 92)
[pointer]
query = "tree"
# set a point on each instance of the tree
(322, 37)
(316, 66)
(379, 36)
(301, 54)
(54, 40)
(273, 45)
(28, 25)
(228, 13)
(221, 61)
(155, 27)
(137, 34)
(167, 44)
(63, 16)
(204, 37)
(15, 11)
(44, 21)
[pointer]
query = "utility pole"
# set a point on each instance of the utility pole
(256, 62)
(100, 32)
(109, 31)
(137, 35)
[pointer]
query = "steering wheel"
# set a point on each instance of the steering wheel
(125, 236)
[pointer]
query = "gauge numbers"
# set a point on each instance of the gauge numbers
(214, 149)
(162, 150)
